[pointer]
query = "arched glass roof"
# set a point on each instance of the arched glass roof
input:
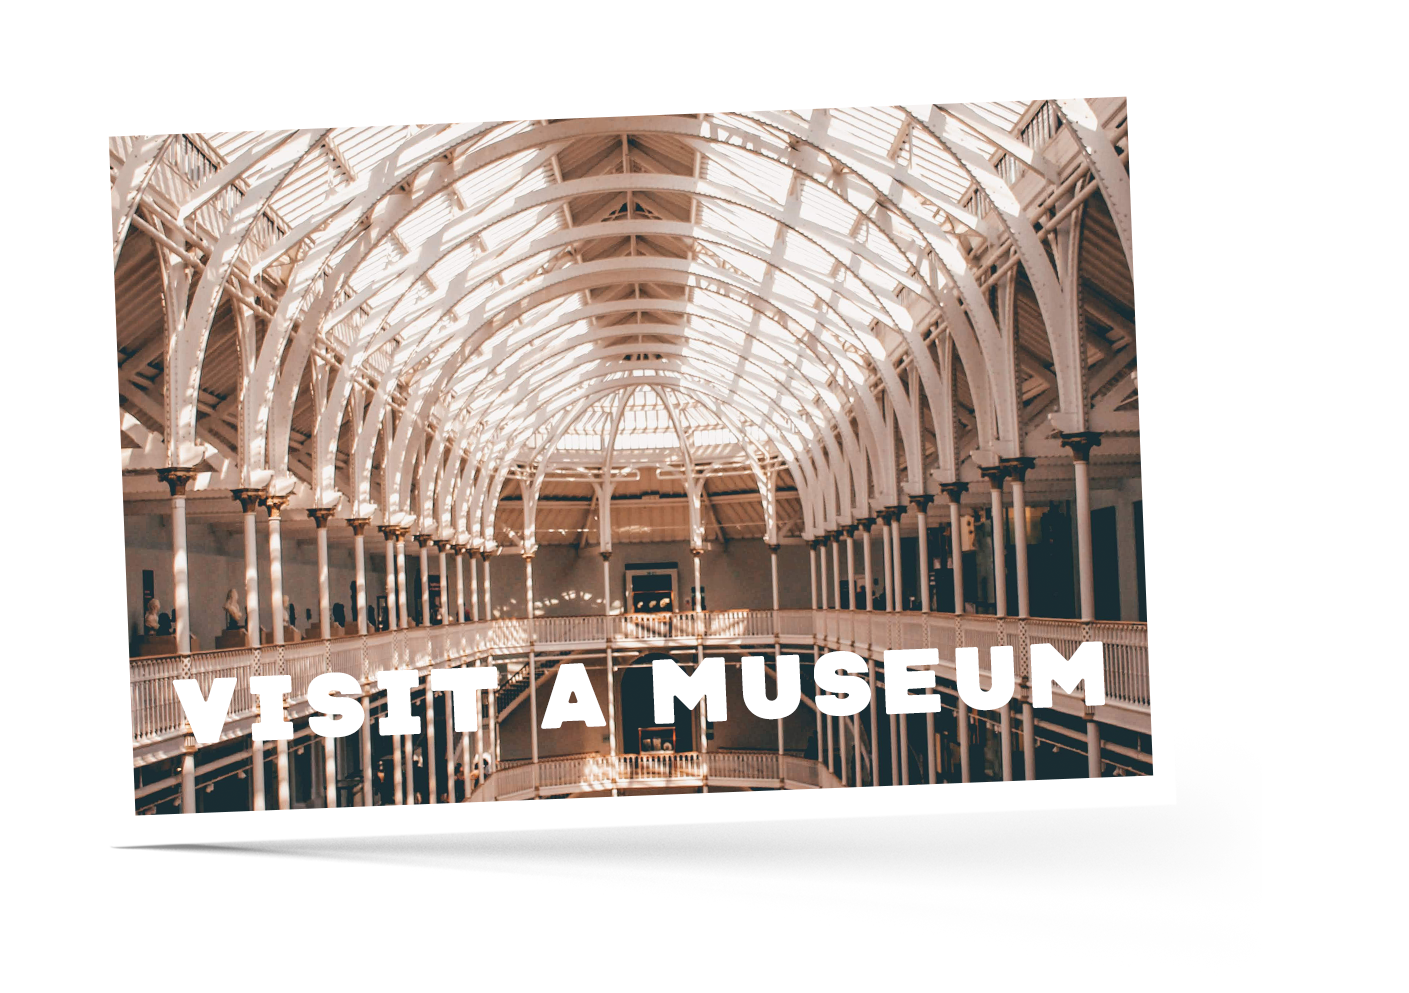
(421, 313)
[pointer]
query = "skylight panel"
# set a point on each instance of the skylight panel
(873, 128)
(824, 208)
(748, 265)
(936, 166)
(754, 174)
(746, 224)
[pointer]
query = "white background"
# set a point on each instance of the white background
(1268, 227)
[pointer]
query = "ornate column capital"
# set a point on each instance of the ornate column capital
(442, 545)
(867, 523)
(1081, 443)
(358, 524)
(995, 474)
(176, 477)
(954, 491)
(773, 547)
(605, 553)
(388, 531)
(274, 503)
(922, 501)
(460, 549)
(1018, 467)
(848, 529)
(320, 516)
(424, 540)
(250, 497)
(696, 552)
(897, 512)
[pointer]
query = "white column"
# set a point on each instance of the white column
(423, 540)
(256, 774)
(887, 573)
(493, 726)
(956, 493)
(488, 604)
(432, 794)
(836, 572)
(404, 621)
(389, 533)
(696, 553)
(249, 504)
(532, 671)
(398, 788)
(188, 774)
(1017, 471)
(851, 568)
(856, 748)
(894, 749)
(477, 770)
(995, 476)
(325, 611)
(409, 747)
(444, 586)
(1093, 745)
(1083, 541)
(278, 616)
(176, 479)
(460, 606)
(923, 561)
(922, 522)
(611, 666)
(474, 585)
(866, 558)
(841, 749)
(895, 556)
(773, 563)
(275, 505)
(1081, 445)
(359, 553)
(812, 570)
(330, 771)
(822, 571)
(364, 742)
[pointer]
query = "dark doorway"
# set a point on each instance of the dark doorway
(638, 718)
(1105, 564)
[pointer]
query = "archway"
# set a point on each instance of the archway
(639, 731)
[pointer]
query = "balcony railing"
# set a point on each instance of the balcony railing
(596, 773)
(157, 715)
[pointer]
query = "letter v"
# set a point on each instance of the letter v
(207, 717)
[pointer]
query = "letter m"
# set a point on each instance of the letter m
(1086, 665)
(668, 681)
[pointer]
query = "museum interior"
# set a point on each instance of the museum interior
(606, 391)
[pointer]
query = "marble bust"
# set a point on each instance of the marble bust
(234, 613)
(151, 621)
